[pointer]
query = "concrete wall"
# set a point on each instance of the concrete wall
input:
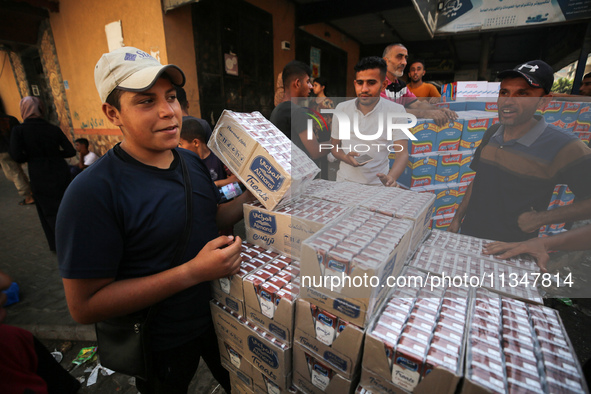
(80, 39)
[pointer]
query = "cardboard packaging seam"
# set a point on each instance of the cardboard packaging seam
(261, 156)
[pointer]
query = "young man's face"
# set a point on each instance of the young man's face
(304, 86)
(368, 86)
(416, 72)
(517, 101)
(150, 120)
(396, 61)
(77, 146)
(585, 88)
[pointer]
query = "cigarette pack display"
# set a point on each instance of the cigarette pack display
(269, 296)
(262, 157)
(336, 284)
(289, 225)
(312, 375)
(267, 354)
(336, 340)
(521, 356)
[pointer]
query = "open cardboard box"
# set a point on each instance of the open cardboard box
(286, 231)
(281, 325)
(268, 355)
(227, 300)
(303, 377)
(344, 355)
(261, 156)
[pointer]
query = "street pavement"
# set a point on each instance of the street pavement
(25, 256)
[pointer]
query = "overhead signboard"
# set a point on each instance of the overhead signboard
(168, 5)
(427, 10)
(470, 15)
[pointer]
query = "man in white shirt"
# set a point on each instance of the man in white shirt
(370, 113)
(86, 157)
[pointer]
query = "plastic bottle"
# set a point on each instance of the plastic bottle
(230, 191)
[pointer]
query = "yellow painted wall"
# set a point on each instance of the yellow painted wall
(80, 40)
(8, 87)
(180, 46)
(283, 12)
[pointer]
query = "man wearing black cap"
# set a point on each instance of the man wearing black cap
(121, 225)
(519, 163)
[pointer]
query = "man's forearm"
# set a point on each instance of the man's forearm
(463, 207)
(531, 221)
(231, 212)
(577, 239)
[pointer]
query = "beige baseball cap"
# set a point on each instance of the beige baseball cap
(131, 69)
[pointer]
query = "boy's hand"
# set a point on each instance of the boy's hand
(219, 258)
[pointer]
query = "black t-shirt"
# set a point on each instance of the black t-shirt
(123, 219)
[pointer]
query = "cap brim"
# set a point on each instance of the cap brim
(146, 78)
(530, 81)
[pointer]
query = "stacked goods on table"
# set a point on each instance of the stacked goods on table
(285, 228)
(417, 339)
(561, 196)
(458, 258)
(262, 157)
(255, 344)
(517, 347)
(570, 116)
(347, 193)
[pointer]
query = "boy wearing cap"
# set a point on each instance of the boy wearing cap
(135, 200)
(524, 159)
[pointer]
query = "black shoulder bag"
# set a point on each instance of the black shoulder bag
(123, 342)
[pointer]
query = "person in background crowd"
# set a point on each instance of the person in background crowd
(585, 88)
(26, 366)
(279, 91)
(86, 157)
(291, 118)
(519, 163)
(44, 146)
(13, 170)
(194, 138)
(122, 220)
(396, 56)
(323, 125)
(181, 96)
(421, 89)
(370, 109)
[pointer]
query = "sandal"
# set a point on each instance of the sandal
(24, 202)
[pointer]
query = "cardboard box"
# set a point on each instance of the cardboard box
(465, 173)
(453, 105)
(552, 111)
(278, 322)
(267, 354)
(261, 156)
(471, 89)
(234, 304)
(570, 112)
(253, 257)
(449, 135)
(313, 379)
(419, 171)
(473, 132)
(426, 133)
(442, 222)
(445, 200)
(448, 168)
(286, 228)
(488, 106)
(344, 352)
(350, 194)
(404, 204)
(324, 263)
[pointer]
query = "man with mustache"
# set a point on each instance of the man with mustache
(518, 167)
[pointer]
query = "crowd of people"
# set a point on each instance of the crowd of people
(158, 209)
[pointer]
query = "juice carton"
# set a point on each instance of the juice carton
(448, 167)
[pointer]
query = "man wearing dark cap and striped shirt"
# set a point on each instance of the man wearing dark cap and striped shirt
(519, 163)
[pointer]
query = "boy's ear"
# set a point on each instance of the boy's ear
(112, 114)
(196, 142)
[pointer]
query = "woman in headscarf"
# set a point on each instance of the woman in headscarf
(44, 146)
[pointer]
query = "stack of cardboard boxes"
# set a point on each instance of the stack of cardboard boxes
(316, 307)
